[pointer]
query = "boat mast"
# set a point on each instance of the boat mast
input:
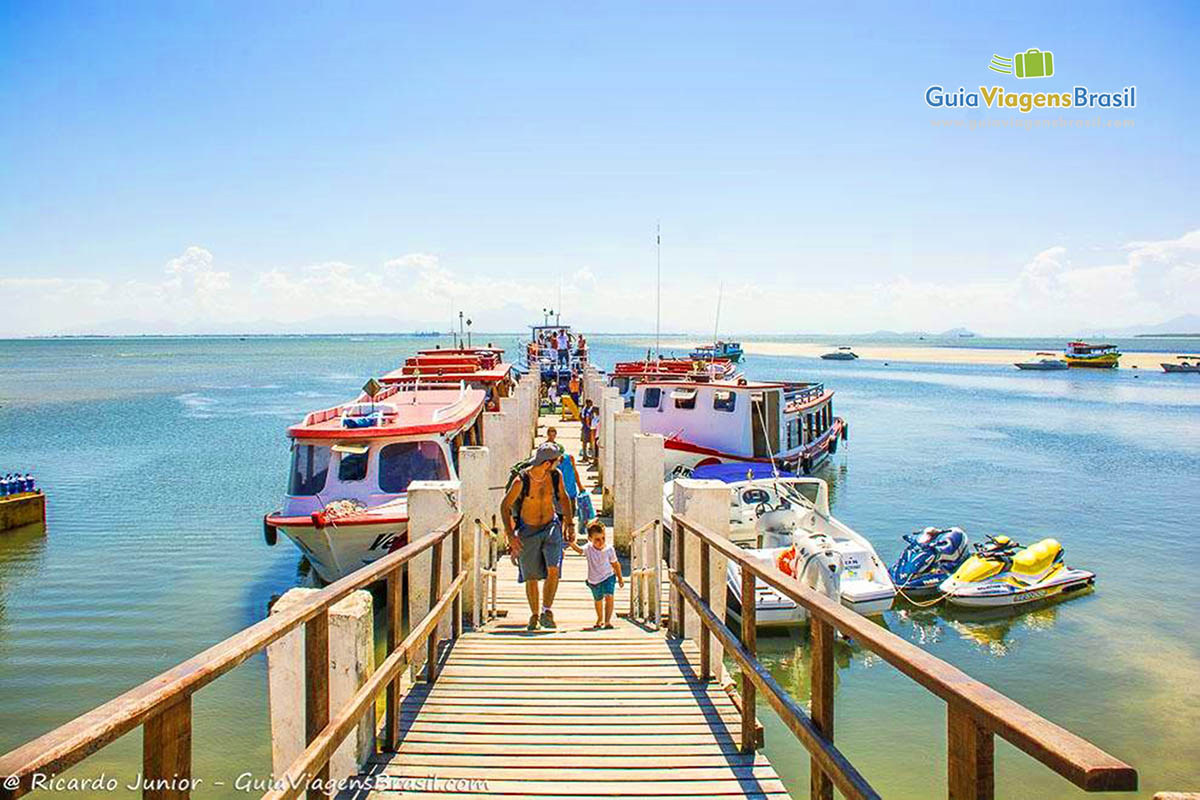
(658, 296)
(717, 324)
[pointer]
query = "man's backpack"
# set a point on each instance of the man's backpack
(520, 470)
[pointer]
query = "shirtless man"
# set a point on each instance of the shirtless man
(533, 510)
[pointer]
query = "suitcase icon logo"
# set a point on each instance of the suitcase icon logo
(1033, 63)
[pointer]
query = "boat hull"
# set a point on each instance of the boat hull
(1043, 366)
(1099, 362)
(1180, 368)
(839, 357)
(999, 594)
(334, 551)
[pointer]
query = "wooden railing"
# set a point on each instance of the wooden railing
(483, 577)
(163, 704)
(975, 713)
(645, 573)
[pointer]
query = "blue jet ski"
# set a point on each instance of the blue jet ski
(931, 557)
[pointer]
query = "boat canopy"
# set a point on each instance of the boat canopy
(733, 473)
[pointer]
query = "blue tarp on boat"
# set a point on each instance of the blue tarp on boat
(732, 473)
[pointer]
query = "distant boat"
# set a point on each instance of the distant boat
(1047, 362)
(1097, 356)
(1183, 365)
(425, 334)
(721, 351)
(843, 353)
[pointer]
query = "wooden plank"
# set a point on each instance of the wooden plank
(969, 757)
(167, 753)
(392, 694)
(526, 740)
(588, 710)
(625, 761)
(503, 747)
(316, 687)
(441, 793)
(600, 788)
(588, 773)
(584, 728)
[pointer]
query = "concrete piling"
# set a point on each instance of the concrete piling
(625, 425)
(431, 505)
(706, 503)
(351, 661)
(478, 502)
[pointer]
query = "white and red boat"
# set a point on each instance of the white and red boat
(346, 503)
(626, 375)
(479, 368)
(721, 422)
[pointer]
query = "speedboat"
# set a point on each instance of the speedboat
(783, 521)
(788, 424)
(1183, 365)
(932, 556)
(1082, 354)
(1048, 361)
(347, 498)
(843, 353)
(1004, 573)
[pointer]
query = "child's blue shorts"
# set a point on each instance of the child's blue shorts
(608, 586)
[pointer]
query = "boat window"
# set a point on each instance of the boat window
(352, 467)
(752, 497)
(404, 462)
(310, 467)
(684, 398)
(652, 398)
(724, 401)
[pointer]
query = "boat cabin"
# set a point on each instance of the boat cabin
(626, 375)
(368, 451)
(484, 372)
(740, 421)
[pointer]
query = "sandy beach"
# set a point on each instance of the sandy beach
(921, 355)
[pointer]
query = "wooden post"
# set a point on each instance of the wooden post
(167, 752)
(435, 594)
(316, 689)
(391, 728)
(678, 534)
(456, 567)
(477, 608)
(705, 595)
(656, 575)
(821, 636)
(750, 642)
(969, 757)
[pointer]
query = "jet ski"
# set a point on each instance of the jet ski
(1003, 572)
(932, 556)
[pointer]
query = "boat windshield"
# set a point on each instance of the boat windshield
(404, 462)
(804, 494)
(310, 468)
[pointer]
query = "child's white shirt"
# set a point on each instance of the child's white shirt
(600, 562)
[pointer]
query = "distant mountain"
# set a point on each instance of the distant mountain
(1188, 323)
(960, 332)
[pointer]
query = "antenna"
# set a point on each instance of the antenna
(558, 318)
(717, 324)
(658, 296)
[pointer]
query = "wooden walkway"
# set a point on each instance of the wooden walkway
(570, 712)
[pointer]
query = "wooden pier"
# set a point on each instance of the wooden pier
(490, 709)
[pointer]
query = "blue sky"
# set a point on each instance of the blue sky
(206, 166)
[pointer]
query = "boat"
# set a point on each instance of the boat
(1048, 361)
(789, 425)
(718, 351)
(542, 354)
(477, 367)
(843, 353)
(346, 502)
(1002, 572)
(783, 521)
(1082, 354)
(626, 375)
(1183, 365)
(932, 555)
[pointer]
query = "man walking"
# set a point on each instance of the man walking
(587, 424)
(533, 510)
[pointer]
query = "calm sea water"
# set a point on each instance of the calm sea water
(160, 456)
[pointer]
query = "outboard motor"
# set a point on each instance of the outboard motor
(932, 555)
(818, 564)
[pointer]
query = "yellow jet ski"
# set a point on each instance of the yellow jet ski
(1005, 573)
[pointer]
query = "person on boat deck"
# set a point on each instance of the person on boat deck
(579, 496)
(564, 348)
(533, 510)
(573, 387)
(581, 344)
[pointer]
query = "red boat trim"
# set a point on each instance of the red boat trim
(337, 522)
(813, 449)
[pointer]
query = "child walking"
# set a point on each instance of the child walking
(604, 571)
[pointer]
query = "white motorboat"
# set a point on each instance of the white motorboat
(1186, 364)
(783, 520)
(843, 353)
(1048, 361)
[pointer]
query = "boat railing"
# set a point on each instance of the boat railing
(802, 392)
(975, 713)
(162, 706)
(645, 574)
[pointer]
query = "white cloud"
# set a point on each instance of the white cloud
(1152, 281)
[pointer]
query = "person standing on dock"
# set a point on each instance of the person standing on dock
(587, 424)
(533, 511)
(564, 348)
(574, 488)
